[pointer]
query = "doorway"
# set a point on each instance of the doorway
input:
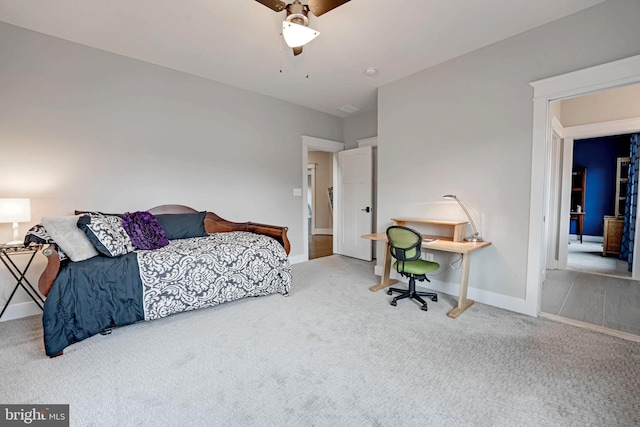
(598, 205)
(588, 288)
(543, 202)
(338, 200)
(320, 208)
(589, 135)
(312, 144)
(583, 286)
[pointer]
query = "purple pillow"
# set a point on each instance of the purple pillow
(144, 230)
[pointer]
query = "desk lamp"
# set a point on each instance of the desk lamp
(15, 211)
(476, 236)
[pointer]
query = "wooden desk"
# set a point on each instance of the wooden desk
(442, 244)
(459, 228)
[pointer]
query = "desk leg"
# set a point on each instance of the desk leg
(385, 281)
(463, 302)
(581, 223)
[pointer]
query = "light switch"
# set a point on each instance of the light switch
(297, 192)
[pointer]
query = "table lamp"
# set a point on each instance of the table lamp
(15, 211)
(476, 236)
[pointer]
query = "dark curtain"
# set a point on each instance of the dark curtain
(629, 228)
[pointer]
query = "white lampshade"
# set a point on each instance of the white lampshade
(15, 211)
(296, 35)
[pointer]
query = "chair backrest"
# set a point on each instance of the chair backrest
(404, 242)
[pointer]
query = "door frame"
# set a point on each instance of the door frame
(320, 144)
(569, 135)
(556, 191)
(311, 172)
(606, 76)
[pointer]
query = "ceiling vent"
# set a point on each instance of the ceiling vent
(349, 109)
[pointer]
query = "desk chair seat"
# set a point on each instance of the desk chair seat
(405, 245)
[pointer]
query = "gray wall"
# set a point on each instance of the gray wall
(604, 106)
(465, 127)
(361, 126)
(81, 128)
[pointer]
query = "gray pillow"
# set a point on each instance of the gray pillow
(65, 232)
(106, 233)
(183, 226)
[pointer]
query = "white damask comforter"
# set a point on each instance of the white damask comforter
(199, 272)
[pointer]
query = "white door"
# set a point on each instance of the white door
(565, 202)
(559, 201)
(355, 184)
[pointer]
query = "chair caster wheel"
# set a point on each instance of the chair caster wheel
(434, 299)
(389, 292)
(394, 303)
(424, 308)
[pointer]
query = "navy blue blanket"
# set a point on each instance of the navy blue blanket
(90, 296)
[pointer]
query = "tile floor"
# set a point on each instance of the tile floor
(599, 298)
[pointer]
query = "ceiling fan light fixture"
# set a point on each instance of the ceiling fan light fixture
(296, 35)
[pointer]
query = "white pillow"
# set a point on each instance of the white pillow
(65, 232)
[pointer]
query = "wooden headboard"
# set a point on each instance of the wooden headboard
(215, 224)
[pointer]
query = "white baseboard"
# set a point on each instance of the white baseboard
(506, 302)
(297, 259)
(23, 309)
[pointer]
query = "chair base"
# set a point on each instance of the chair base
(413, 294)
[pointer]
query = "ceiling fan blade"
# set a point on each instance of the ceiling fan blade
(319, 7)
(297, 50)
(277, 5)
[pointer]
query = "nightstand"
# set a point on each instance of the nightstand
(6, 253)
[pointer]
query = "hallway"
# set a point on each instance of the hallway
(320, 245)
(596, 291)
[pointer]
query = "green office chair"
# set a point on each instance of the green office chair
(405, 244)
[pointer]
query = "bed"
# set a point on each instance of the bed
(222, 261)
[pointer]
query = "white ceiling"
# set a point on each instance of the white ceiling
(238, 42)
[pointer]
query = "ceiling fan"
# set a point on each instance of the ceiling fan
(295, 28)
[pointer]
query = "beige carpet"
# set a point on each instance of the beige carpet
(587, 256)
(331, 354)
